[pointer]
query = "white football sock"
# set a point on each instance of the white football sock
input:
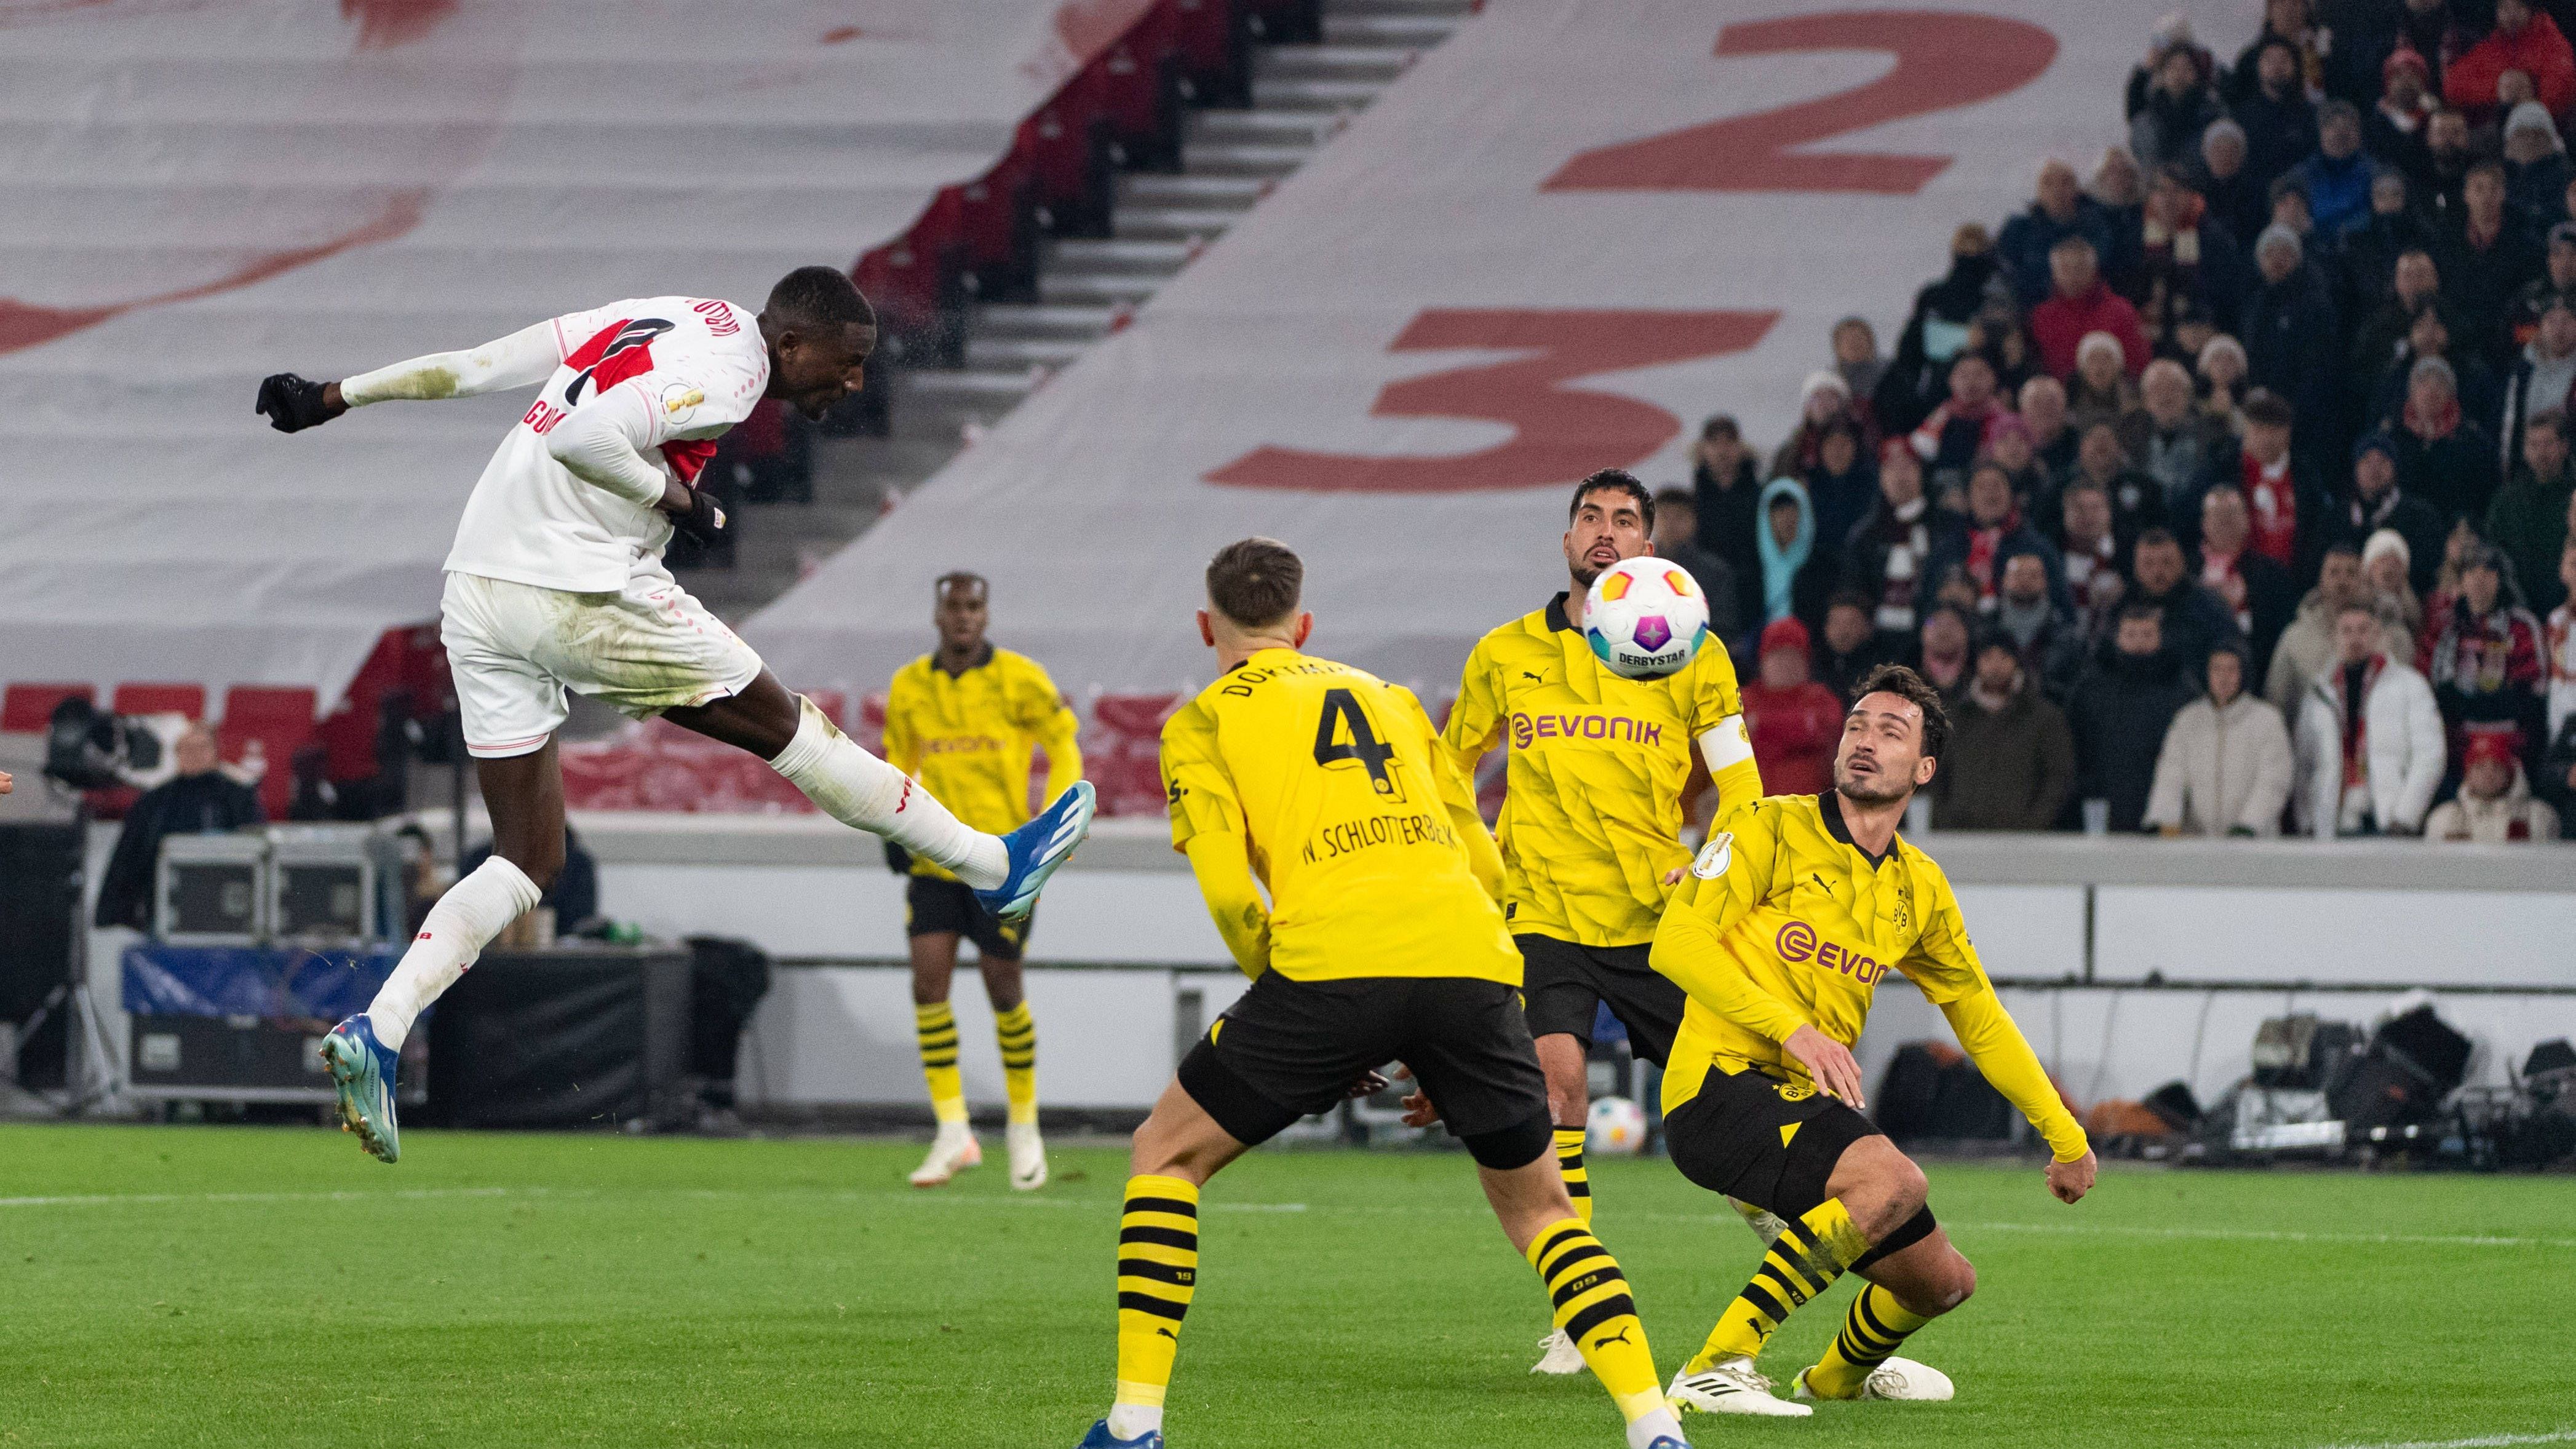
(1132, 1421)
(858, 789)
(473, 911)
(1646, 1428)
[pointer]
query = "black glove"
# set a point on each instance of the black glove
(704, 522)
(293, 403)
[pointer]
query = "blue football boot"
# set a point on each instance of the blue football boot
(363, 1070)
(1037, 848)
(1099, 1438)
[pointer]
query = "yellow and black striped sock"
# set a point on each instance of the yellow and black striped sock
(1803, 1263)
(1592, 1305)
(1018, 1033)
(1875, 1326)
(1158, 1270)
(1569, 1161)
(935, 1027)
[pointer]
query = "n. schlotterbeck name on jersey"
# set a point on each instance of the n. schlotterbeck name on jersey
(1349, 837)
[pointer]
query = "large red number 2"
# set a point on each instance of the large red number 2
(1559, 433)
(1943, 59)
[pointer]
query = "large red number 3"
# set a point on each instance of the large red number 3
(1943, 59)
(1559, 433)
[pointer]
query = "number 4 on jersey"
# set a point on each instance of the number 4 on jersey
(1342, 709)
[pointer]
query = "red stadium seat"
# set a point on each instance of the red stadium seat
(1123, 755)
(187, 699)
(282, 721)
(28, 708)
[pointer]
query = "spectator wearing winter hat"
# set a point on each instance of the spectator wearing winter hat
(2443, 456)
(1856, 357)
(1794, 580)
(1852, 645)
(2059, 209)
(2218, 375)
(2494, 806)
(2174, 106)
(2486, 259)
(2543, 382)
(2226, 765)
(2122, 710)
(1795, 722)
(2378, 502)
(2172, 31)
(1825, 400)
(2307, 648)
(2394, 129)
(2337, 176)
(2080, 303)
(2525, 40)
(1886, 554)
(1676, 537)
(2484, 656)
(2280, 123)
(2101, 391)
(2010, 763)
(2386, 561)
(2368, 743)
(2535, 163)
(2290, 325)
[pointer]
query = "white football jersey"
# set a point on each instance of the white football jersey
(681, 370)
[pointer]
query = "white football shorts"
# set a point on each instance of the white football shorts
(515, 648)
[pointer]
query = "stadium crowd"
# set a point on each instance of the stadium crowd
(2227, 491)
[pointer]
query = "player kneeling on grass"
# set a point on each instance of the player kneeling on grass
(556, 582)
(1382, 942)
(1784, 925)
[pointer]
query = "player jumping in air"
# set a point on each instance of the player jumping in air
(1381, 942)
(1793, 912)
(556, 581)
(962, 720)
(1591, 824)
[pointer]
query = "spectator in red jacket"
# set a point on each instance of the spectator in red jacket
(2082, 304)
(2523, 40)
(1795, 722)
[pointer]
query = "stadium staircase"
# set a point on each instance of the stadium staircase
(1142, 162)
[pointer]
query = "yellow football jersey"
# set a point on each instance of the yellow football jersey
(1352, 814)
(1592, 814)
(968, 738)
(1782, 922)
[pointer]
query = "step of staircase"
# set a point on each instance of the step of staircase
(1367, 63)
(1448, 9)
(1292, 94)
(1020, 319)
(1141, 223)
(1236, 193)
(1260, 128)
(1401, 28)
(1097, 288)
(1003, 354)
(1159, 258)
(1260, 162)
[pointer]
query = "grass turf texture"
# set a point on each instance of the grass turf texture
(199, 1286)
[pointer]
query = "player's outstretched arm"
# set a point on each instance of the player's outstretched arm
(1222, 863)
(522, 359)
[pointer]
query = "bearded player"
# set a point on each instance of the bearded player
(556, 582)
(1323, 789)
(1592, 818)
(964, 720)
(1792, 913)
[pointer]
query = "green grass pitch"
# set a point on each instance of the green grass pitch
(205, 1287)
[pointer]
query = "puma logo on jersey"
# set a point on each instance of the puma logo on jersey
(1532, 678)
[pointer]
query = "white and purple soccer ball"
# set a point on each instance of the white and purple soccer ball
(1645, 618)
(1614, 1127)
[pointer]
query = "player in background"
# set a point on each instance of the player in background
(1790, 916)
(556, 581)
(1596, 771)
(1381, 941)
(962, 720)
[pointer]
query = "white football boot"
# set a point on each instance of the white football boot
(953, 1151)
(1558, 1355)
(1897, 1378)
(1730, 1386)
(1028, 1157)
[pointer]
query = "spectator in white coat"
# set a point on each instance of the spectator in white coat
(2494, 806)
(2225, 767)
(2370, 748)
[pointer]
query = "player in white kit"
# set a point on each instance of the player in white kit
(556, 581)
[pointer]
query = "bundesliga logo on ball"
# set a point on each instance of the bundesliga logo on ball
(1645, 618)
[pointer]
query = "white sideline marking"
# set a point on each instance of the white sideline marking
(2486, 1441)
(2266, 1235)
(120, 1199)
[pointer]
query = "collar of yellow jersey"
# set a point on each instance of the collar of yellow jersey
(1829, 805)
(1556, 619)
(983, 657)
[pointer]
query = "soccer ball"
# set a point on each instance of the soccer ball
(1645, 618)
(1615, 1127)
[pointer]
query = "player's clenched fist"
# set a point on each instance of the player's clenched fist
(702, 520)
(293, 404)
